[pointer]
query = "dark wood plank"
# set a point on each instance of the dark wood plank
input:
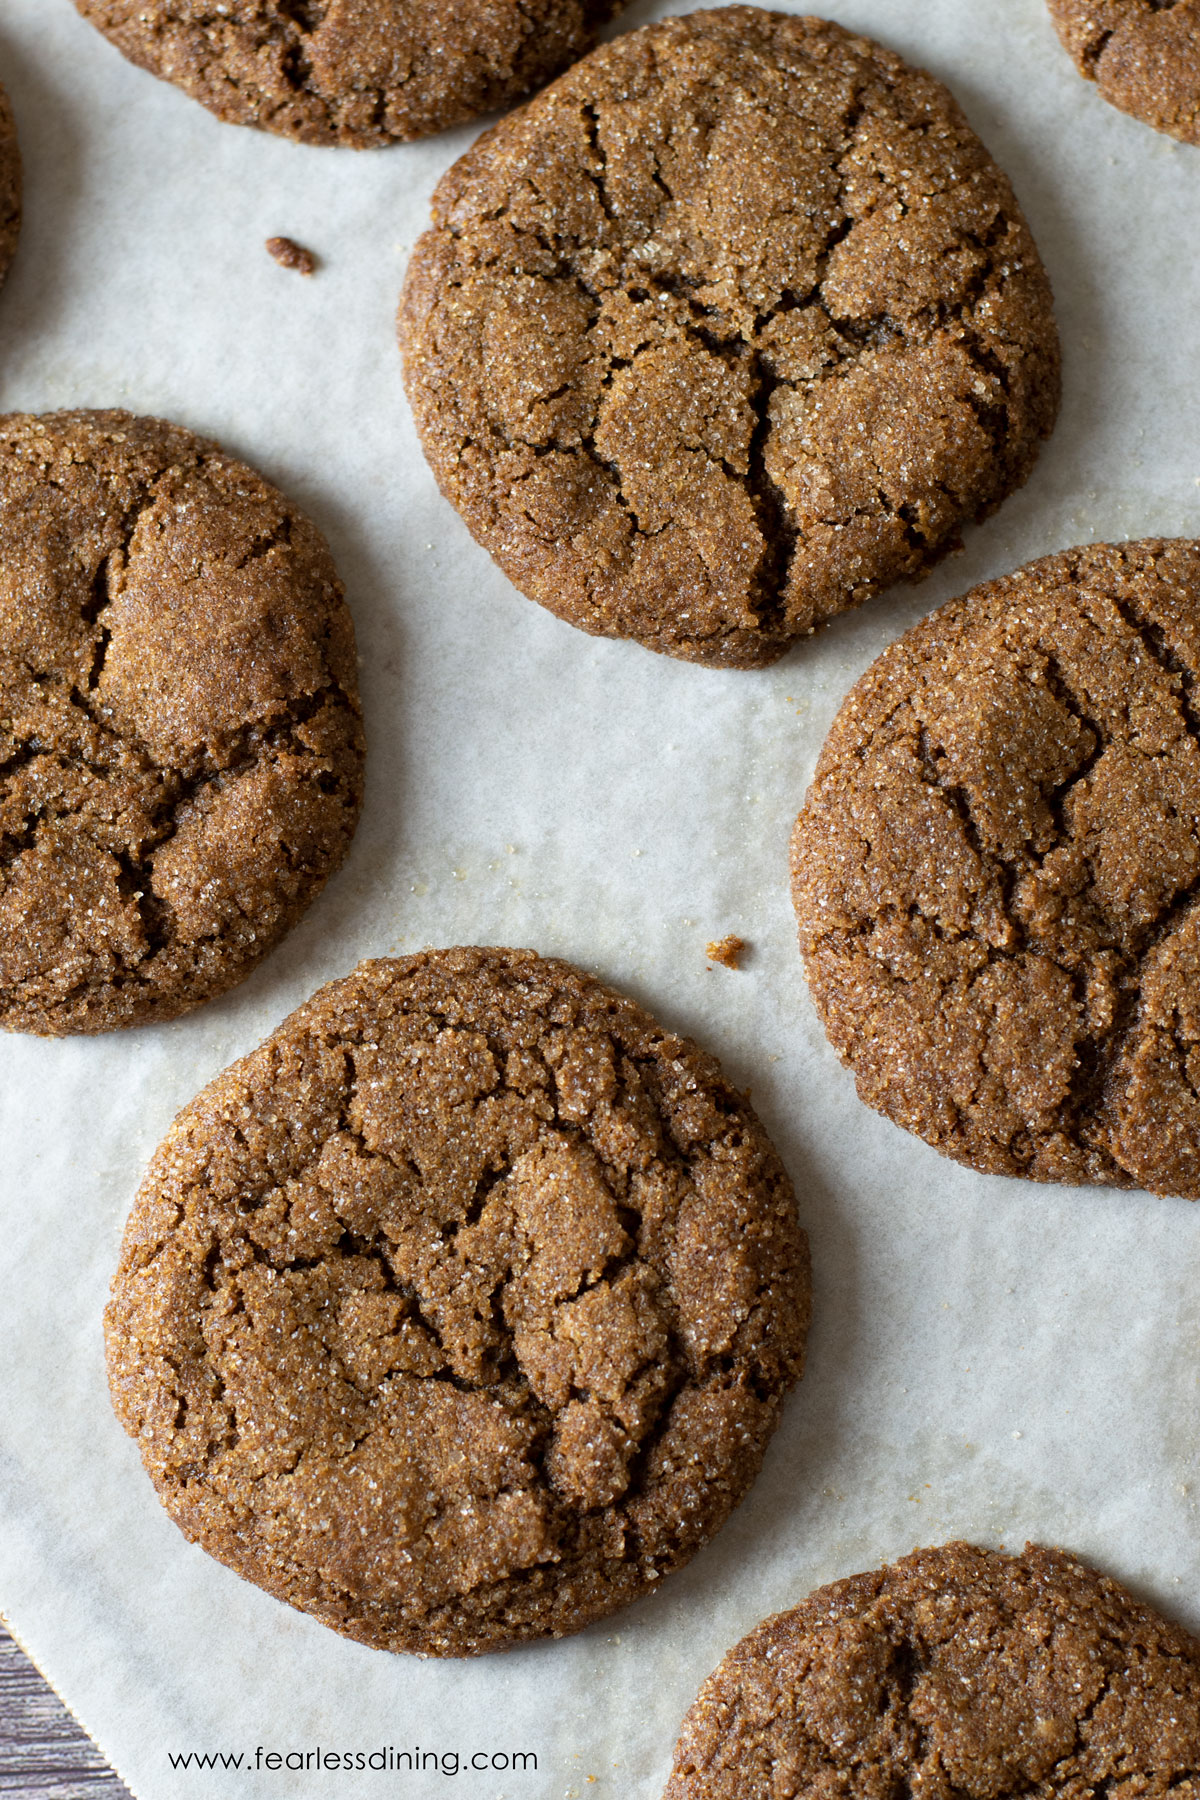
(44, 1754)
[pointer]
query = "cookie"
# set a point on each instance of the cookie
(10, 185)
(996, 868)
(461, 1311)
(180, 738)
(953, 1672)
(730, 327)
(376, 72)
(1143, 55)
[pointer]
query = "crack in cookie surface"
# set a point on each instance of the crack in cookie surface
(734, 325)
(380, 72)
(463, 1310)
(954, 1672)
(996, 873)
(180, 735)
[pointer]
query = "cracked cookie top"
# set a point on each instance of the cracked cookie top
(363, 74)
(997, 866)
(10, 185)
(730, 327)
(1143, 55)
(461, 1311)
(180, 737)
(956, 1672)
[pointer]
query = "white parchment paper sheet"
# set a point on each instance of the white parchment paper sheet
(988, 1359)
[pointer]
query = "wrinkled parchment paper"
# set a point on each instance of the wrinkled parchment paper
(988, 1359)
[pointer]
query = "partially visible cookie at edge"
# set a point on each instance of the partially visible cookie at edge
(377, 72)
(954, 1671)
(181, 743)
(732, 326)
(461, 1312)
(10, 184)
(996, 873)
(1143, 55)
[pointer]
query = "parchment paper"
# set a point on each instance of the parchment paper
(988, 1359)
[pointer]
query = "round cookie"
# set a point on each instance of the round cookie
(10, 185)
(462, 1310)
(375, 72)
(180, 736)
(995, 873)
(730, 327)
(953, 1672)
(1143, 55)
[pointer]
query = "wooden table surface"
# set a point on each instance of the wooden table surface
(44, 1754)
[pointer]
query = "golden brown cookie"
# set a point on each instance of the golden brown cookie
(1143, 55)
(954, 1672)
(730, 327)
(996, 869)
(461, 1311)
(362, 74)
(180, 737)
(10, 185)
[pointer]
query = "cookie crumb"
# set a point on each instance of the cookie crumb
(291, 255)
(726, 950)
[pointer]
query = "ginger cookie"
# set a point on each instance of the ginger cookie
(180, 737)
(956, 1671)
(995, 873)
(375, 72)
(10, 185)
(733, 325)
(462, 1310)
(1143, 55)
